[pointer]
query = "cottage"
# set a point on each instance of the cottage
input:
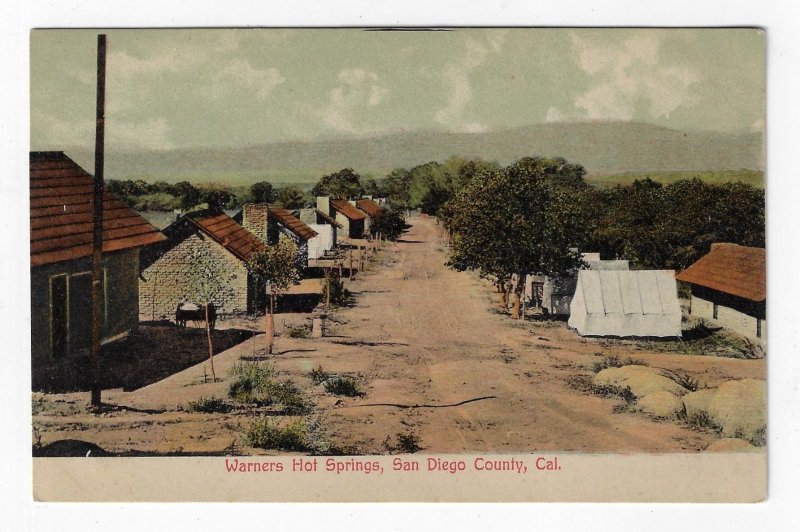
(169, 271)
(347, 216)
(269, 223)
(319, 245)
(729, 288)
(61, 249)
(370, 208)
(624, 303)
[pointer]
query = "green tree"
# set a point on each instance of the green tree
(187, 195)
(262, 192)
(274, 267)
(208, 282)
(398, 188)
(344, 184)
(390, 223)
(291, 198)
(521, 219)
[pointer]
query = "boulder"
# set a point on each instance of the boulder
(642, 380)
(737, 407)
(696, 403)
(661, 404)
(726, 445)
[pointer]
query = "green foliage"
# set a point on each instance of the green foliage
(525, 218)
(671, 226)
(615, 362)
(158, 196)
(301, 331)
(256, 384)
(408, 442)
(318, 375)
(754, 178)
(291, 198)
(339, 295)
(344, 184)
(343, 386)
(275, 265)
(209, 405)
(390, 223)
(266, 434)
(608, 390)
(262, 192)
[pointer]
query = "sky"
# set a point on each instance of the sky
(171, 89)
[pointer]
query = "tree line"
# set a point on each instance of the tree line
(537, 215)
(161, 196)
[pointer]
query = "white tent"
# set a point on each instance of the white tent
(626, 303)
(318, 245)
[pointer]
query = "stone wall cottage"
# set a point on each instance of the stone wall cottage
(729, 288)
(269, 223)
(167, 269)
(61, 263)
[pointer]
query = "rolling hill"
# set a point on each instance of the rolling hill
(603, 148)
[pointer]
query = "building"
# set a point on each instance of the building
(556, 292)
(370, 208)
(347, 216)
(323, 242)
(314, 218)
(729, 288)
(269, 223)
(622, 303)
(61, 236)
(199, 243)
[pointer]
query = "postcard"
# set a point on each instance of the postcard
(398, 264)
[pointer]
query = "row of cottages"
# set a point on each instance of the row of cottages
(729, 289)
(61, 235)
(351, 217)
(269, 223)
(169, 271)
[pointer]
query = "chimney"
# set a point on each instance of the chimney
(324, 204)
(254, 219)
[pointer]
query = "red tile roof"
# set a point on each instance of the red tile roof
(737, 270)
(293, 224)
(344, 207)
(328, 219)
(61, 213)
(224, 230)
(372, 209)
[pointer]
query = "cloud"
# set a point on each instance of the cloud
(628, 78)
(459, 89)
(358, 91)
(241, 73)
(149, 134)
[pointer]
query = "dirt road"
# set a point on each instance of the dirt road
(435, 359)
(491, 384)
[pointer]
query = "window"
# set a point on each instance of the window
(758, 327)
(715, 312)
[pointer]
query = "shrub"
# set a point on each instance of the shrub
(343, 386)
(614, 361)
(301, 331)
(208, 405)
(408, 442)
(607, 390)
(265, 434)
(339, 296)
(319, 375)
(256, 384)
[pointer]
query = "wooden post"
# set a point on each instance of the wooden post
(97, 220)
(351, 264)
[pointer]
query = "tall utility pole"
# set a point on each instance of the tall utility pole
(97, 220)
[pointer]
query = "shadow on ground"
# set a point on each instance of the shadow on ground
(148, 355)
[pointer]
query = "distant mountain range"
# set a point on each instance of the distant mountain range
(601, 147)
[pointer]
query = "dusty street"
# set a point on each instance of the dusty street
(435, 359)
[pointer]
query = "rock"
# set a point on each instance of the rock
(696, 403)
(642, 380)
(730, 445)
(661, 404)
(736, 407)
(740, 408)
